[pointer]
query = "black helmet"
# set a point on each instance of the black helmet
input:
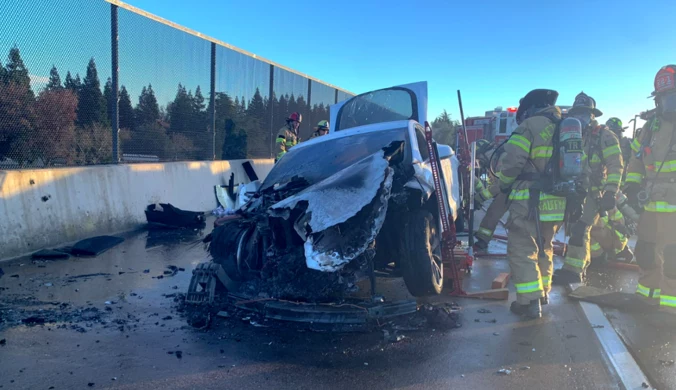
(537, 98)
(584, 102)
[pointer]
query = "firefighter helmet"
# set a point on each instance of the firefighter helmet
(294, 116)
(322, 125)
(584, 102)
(482, 146)
(664, 80)
(615, 124)
(537, 98)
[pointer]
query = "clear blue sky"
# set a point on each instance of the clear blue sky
(494, 52)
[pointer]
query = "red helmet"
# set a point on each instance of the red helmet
(665, 80)
(294, 116)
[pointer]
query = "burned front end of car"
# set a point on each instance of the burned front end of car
(312, 231)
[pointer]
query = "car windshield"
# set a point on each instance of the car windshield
(323, 159)
(385, 105)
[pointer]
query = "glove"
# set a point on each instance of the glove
(631, 191)
(607, 202)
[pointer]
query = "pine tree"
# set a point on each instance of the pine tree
(147, 110)
(3, 74)
(16, 70)
(125, 110)
(198, 100)
(92, 105)
(108, 95)
(54, 80)
(259, 137)
(181, 111)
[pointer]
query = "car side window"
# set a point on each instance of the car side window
(422, 143)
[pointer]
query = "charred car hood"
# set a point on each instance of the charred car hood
(341, 215)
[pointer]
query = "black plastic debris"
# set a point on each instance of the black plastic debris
(250, 172)
(179, 354)
(94, 246)
(33, 320)
(50, 254)
(167, 216)
(3, 342)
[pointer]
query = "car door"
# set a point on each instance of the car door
(403, 102)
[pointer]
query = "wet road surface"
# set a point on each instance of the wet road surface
(120, 329)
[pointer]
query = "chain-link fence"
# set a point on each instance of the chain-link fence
(175, 96)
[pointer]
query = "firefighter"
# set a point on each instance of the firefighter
(615, 125)
(609, 239)
(603, 170)
(651, 183)
(322, 128)
(483, 193)
(288, 137)
(532, 224)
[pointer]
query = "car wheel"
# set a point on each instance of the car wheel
(420, 262)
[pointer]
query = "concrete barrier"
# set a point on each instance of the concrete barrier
(43, 208)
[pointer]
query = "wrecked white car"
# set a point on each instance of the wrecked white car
(345, 207)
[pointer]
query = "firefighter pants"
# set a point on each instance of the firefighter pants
(606, 239)
(495, 211)
(531, 272)
(656, 255)
(578, 252)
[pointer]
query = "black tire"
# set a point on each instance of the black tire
(420, 257)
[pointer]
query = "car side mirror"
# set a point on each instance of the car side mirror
(444, 151)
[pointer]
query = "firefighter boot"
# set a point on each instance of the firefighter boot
(480, 245)
(531, 310)
(564, 277)
(599, 261)
(626, 255)
(544, 300)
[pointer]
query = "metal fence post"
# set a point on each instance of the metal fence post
(272, 110)
(336, 97)
(115, 120)
(212, 114)
(309, 94)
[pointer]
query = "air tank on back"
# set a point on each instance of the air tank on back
(570, 149)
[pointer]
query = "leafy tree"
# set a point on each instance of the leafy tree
(92, 106)
(147, 110)
(125, 110)
(53, 135)
(93, 144)
(16, 124)
(54, 80)
(235, 142)
(444, 129)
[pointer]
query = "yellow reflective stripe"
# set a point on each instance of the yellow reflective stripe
(486, 193)
(575, 263)
(280, 154)
(667, 300)
(635, 145)
(280, 140)
(520, 141)
(547, 281)
(551, 217)
(611, 151)
(616, 216)
(525, 288)
(668, 166)
(485, 232)
(614, 178)
(519, 195)
(660, 207)
(596, 246)
(544, 196)
(633, 177)
(542, 152)
(506, 179)
(596, 159)
(643, 290)
(290, 143)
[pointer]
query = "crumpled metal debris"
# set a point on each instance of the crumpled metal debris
(365, 183)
